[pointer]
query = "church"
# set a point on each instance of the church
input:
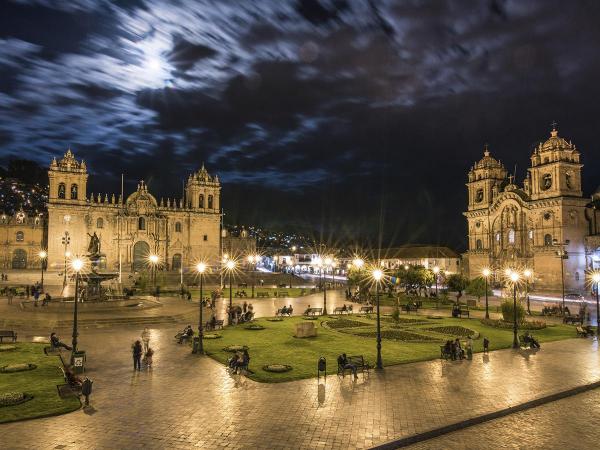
(180, 232)
(539, 225)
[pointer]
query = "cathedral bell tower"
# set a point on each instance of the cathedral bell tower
(203, 191)
(68, 180)
(485, 180)
(555, 169)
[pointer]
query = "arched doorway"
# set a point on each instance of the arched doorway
(176, 262)
(141, 250)
(19, 260)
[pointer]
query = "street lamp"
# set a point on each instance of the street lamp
(200, 268)
(596, 279)
(66, 240)
(486, 274)
(153, 261)
(230, 266)
(76, 265)
(436, 271)
(528, 274)
(514, 277)
(42, 255)
(562, 254)
(377, 276)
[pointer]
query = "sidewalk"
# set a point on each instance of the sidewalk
(190, 401)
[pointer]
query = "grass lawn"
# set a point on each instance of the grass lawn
(40, 383)
(355, 335)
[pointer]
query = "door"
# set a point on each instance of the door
(141, 250)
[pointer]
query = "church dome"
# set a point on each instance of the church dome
(488, 162)
(141, 201)
(555, 143)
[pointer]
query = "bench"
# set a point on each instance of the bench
(282, 285)
(410, 307)
(313, 311)
(460, 313)
(243, 285)
(283, 294)
(240, 294)
(262, 294)
(584, 332)
(288, 312)
(67, 388)
(8, 334)
(358, 361)
(573, 320)
(218, 325)
(444, 354)
(366, 309)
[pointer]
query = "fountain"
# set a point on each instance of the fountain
(93, 291)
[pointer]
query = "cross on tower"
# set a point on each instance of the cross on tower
(554, 125)
(510, 179)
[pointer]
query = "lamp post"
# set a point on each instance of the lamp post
(42, 255)
(76, 265)
(377, 276)
(200, 268)
(562, 254)
(514, 277)
(66, 240)
(527, 273)
(596, 279)
(436, 271)
(153, 261)
(230, 265)
(486, 274)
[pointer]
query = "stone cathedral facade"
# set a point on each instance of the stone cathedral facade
(532, 224)
(180, 232)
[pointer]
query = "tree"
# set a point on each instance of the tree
(457, 283)
(476, 288)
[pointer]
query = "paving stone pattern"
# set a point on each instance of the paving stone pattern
(193, 402)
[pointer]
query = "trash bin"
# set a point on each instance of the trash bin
(78, 361)
(322, 367)
(195, 344)
(86, 389)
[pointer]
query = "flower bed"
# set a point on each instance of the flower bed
(7, 347)
(452, 330)
(212, 336)
(12, 368)
(311, 318)
(277, 368)
(254, 326)
(404, 320)
(14, 398)
(235, 348)
(345, 323)
(275, 319)
(399, 335)
(528, 325)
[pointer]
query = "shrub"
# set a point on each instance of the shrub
(396, 315)
(7, 347)
(13, 398)
(452, 330)
(507, 311)
(399, 335)
(235, 348)
(345, 323)
(526, 325)
(254, 327)
(11, 368)
(277, 368)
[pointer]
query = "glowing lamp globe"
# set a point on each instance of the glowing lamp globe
(77, 264)
(377, 274)
(200, 267)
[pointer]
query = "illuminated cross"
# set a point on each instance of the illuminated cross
(510, 179)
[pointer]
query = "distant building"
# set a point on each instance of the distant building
(529, 226)
(21, 240)
(428, 256)
(239, 247)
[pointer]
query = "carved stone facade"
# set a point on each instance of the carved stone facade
(525, 226)
(21, 240)
(180, 232)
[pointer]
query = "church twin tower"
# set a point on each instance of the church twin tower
(526, 226)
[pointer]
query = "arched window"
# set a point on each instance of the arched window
(511, 236)
(73, 192)
(201, 201)
(20, 236)
(178, 227)
(100, 222)
(479, 244)
(19, 260)
(141, 223)
(62, 190)
(210, 202)
(548, 240)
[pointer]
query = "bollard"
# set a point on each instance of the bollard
(86, 389)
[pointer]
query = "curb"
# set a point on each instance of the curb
(420, 437)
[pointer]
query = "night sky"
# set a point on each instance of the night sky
(349, 119)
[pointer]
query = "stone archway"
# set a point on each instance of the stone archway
(176, 265)
(19, 260)
(141, 250)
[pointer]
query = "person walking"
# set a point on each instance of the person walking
(9, 295)
(137, 355)
(486, 345)
(469, 346)
(146, 339)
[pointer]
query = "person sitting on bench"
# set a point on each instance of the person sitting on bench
(187, 333)
(55, 342)
(344, 308)
(528, 339)
(308, 310)
(283, 310)
(448, 349)
(344, 364)
(72, 379)
(459, 353)
(290, 310)
(46, 299)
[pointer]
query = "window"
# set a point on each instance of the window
(530, 234)
(479, 244)
(210, 202)
(497, 237)
(178, 227)
(511, 236)
(568, 180)
(73, 192)
(61, 190)
(548, 240)
(479, 196)
(141, 223)
(201, 201)
(547, 182)
(176, 265)
(206, 237)
(100, 222)
(20, 236)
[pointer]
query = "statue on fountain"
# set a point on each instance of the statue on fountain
(94, 246)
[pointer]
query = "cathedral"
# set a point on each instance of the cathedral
(180, 232)
(539, 225)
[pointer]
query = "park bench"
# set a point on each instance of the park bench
(444, 354)
(262, 294)
(459, 312)
(282, 285)
(283, 294)
(218, 325)
(243, 285)
(240, 294)
(410, 307)
(584, 331)
(313, 311)
(9, 334)
(288, 312)
(366, 309)
(573, 320)
(358, 361)
(67, 389)
(342, 310)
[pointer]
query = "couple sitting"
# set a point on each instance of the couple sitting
(239, 361)
(530, 340)
(345, 364)
(56, 343)
(286, 310)
(454, 349)
(187, 333)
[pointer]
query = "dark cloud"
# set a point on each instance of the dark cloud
(359, 118)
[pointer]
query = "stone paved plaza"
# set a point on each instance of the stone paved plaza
(190, 401)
